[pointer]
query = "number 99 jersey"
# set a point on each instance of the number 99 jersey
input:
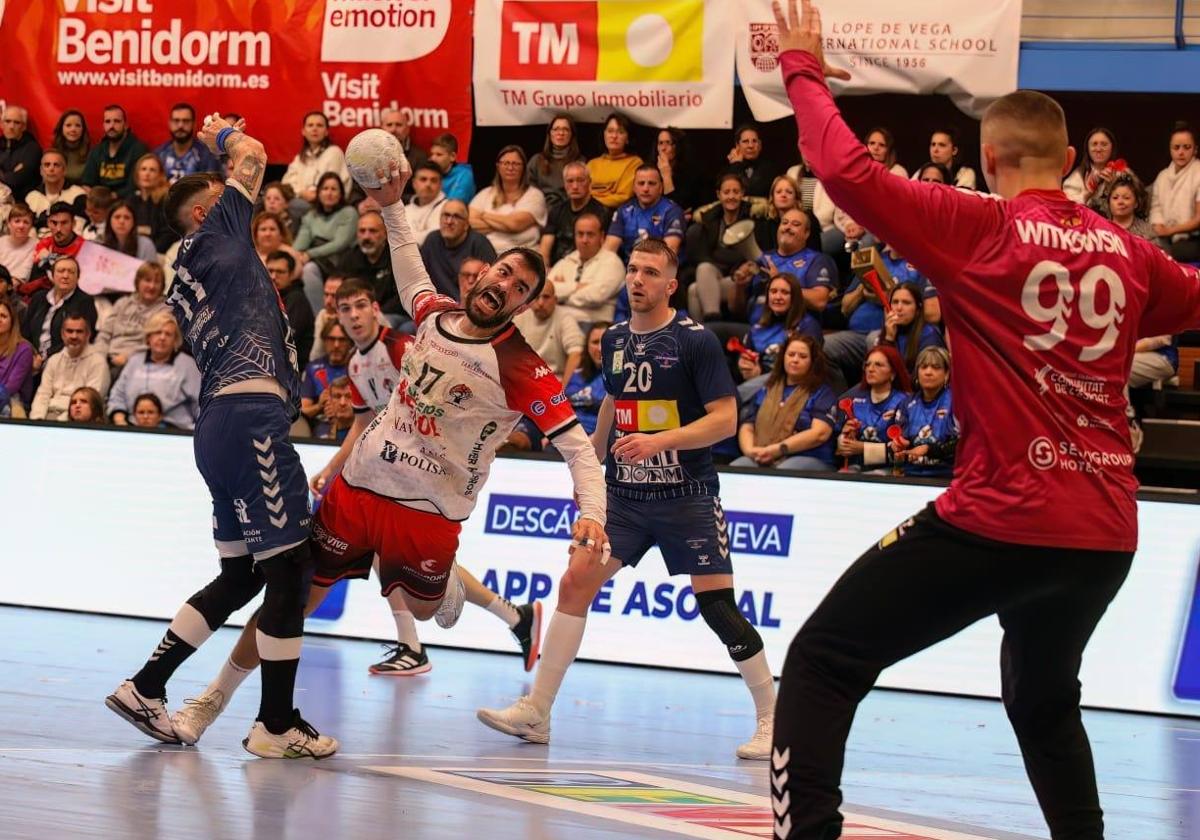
(658, 381)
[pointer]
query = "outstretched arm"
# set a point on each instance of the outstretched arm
(412, 278)
(247, 157)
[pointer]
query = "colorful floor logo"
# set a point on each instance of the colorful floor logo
(652, 802)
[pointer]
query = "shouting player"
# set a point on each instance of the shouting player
(415, 472)
(235, 326)
(1045, 300)
(670, 398)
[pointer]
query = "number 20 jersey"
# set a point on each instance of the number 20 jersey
(455, 403)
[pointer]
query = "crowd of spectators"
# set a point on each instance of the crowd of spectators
(830, 375)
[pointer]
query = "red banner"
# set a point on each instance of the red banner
(271, 62)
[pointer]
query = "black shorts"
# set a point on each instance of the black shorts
(690, 532)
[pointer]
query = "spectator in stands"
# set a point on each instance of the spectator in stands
(396, 123)
(746, 159)
(846, 233)
(110, 164)
(933, 173)
(86, 406)
(714, 261)
(327, 313)
(468, 276)
(444, 250)
(326, 232)
(163, 370)
(789, 424)
(182, 155)
(589, 278)
(322, 370)
(647, 214)
(586, 389)
(339, 415)
(510, 212)
(680, 183)
(317, 157)
(613, 172)
(16, 364)
(943, 150)
(277, 198)
(1128, 205)
(271, 234)
(53, 189)
(863, 437)
(553, 334)
(72, 139)
(120, 233)
(147, 413)
(785, 314)
(1155, 360)
(1089, 182)
(19, 153)
(77, 364)
(458, 179)
(815, 271)
(558, 236)
(425, 207)
(785, 194)
(370, 260)
(62, 242)
(560, 148)
(1175, 199)
(904, 327)
(123, 333)
(929, 431)
(147, 202)
(48, 308)
(95, 210)
(881, 145)
(6, 291)
(282, 269)
(17, 246)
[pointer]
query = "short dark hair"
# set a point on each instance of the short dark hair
(743, 128)
(341, 381)
(275, 256)
(355, 286)
(183, 106)
(447, 141)
(730, 175)
(148, 396)
(533, 261)
(101, 197)
(648, 167)
(658, 247)
(60, 207)
(429, 167)
(76, 316)
(180, 196)
(589, 214)
(115, 107)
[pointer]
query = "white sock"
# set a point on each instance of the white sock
(503, 609)
(757, 674)
(232, 675)
(406, 629)
(559, 649)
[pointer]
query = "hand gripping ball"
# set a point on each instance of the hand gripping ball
(371, 151)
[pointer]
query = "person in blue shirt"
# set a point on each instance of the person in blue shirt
(646, 215)
(785, 314)
(928, 428)
(815, 271)
(182, 154)
(458, 179)
(789, 424)
(904, 327)
(314, 396)
(585, 389)
(863, 430)
(234, 324)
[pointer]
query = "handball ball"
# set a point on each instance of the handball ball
(370, 151)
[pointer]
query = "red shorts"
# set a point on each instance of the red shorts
(415, 548)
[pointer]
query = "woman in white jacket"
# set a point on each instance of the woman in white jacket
(1175, 202)
(317, 156)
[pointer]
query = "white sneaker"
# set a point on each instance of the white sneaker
(758, 748)
(148, 714)
(301, 741)
(521, 719)
(452, 603)
(197, 715)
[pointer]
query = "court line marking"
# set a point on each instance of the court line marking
(444, 776)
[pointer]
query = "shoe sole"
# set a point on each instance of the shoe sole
(134, 718)
(762, 757)
(393, 672)
(535, 636)
(500, 726)
(246, 746)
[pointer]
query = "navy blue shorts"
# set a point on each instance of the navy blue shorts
(259, 492)
(690, 532)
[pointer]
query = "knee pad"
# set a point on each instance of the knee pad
(720, 612)
(239, 581)
(288, 577)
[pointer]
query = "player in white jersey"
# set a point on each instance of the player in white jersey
(417, 470)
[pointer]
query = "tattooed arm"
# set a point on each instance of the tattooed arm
(247, 157)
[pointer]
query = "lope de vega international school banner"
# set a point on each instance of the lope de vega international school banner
(269, 61)
(968, 51)
(661, 62)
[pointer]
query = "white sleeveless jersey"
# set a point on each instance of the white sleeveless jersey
(375, 372)
(456, 401)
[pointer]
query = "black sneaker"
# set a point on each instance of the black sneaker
(528, 632)
(402, 661)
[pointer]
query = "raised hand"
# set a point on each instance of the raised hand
(802, 31)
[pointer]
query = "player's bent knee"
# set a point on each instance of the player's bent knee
(720, 612)
(576, 589)
(288, 576)
(238, 582)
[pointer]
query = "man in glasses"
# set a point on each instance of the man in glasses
(445, 249)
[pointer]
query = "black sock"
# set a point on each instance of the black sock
(171, 652)
(278, 686)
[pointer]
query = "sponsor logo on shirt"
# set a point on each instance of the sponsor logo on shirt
(243, 516)
(646, 415)
(542, 370)
(537, 408)
(1045, 455)
(459, 394)
(1076, 385)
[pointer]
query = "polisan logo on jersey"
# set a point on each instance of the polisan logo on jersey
(602, 40)
(381, 31)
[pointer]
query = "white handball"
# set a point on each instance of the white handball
(370, 151)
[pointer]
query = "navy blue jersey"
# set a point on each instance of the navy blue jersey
(768, 340)
(928, 422)
(232, 318)
(821, 405)
(658, 381)
(633, 223)
(875, 417)
(586, 395)
(812, 268)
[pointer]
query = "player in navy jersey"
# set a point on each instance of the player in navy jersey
(235, 326)
(1044, 301)
(929, 432)
(670, 399)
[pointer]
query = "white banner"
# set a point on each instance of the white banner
(661, 62)
(103, 270)
(967, 51)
